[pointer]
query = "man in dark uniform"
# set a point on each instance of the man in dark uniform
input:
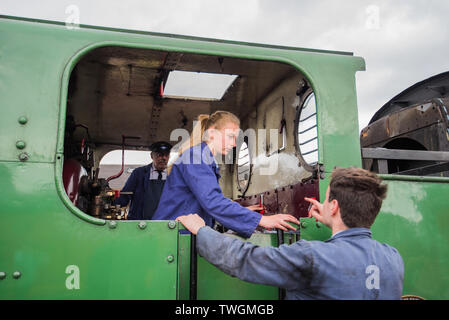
(146, 183)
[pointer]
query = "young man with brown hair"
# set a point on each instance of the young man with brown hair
(350, 265)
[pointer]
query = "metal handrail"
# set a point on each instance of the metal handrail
(401, 154)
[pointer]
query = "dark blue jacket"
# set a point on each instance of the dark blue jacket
(350, 265)
(138, 184)
(192, 187)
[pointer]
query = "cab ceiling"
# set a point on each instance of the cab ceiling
(115, 91)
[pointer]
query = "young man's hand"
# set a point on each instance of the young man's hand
(278, 221)
(192, 222)
(316, 211)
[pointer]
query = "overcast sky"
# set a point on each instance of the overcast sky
(402, 41)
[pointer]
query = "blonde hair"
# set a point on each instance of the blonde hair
(204, 121)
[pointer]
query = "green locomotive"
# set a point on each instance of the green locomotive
(72, 94)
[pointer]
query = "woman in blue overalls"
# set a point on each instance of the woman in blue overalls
(192, 184)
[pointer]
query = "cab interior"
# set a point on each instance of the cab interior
(118, 97)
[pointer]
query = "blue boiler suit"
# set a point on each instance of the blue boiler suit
(192, 187)
(350, 265)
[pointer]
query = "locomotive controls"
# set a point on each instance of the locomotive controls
(87, 192)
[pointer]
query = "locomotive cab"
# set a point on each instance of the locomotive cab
(73, 94)
(98, 89)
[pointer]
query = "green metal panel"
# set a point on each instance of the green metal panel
(414, 220)
(183, 267)
(213, 284)
(41, 239)
(313, 230)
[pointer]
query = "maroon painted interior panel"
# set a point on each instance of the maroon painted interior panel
(72, 172)
(289, 199)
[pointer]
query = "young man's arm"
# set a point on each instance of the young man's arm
(288, 266)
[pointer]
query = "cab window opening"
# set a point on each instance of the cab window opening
(118, 101)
